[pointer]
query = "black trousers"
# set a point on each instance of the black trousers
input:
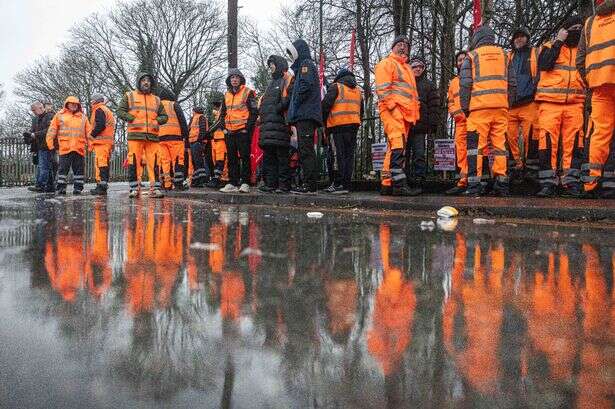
(76, 162)
(416, 162)
(275, 167)
(307, 154)
(238, 146)
(199, 175)
(345, 145)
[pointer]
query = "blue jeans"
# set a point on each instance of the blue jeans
(45, 170)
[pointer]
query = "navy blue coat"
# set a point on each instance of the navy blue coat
(305, 97)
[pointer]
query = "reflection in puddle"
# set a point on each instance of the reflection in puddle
(171, 302)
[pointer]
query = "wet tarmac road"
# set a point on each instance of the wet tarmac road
(174, 304)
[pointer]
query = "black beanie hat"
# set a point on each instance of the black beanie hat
(399, 39)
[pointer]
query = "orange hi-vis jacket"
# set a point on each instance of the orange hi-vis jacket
(490, 79)
(562, 84)
(218, 133)
(71, 130)
(237, 112)
(454, 102)
(347, 107)
(600, 52)
(106, 136)
(144, 107)
(396, 87)
(194, 127)
(171, 131)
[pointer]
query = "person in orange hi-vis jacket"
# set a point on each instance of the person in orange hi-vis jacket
(398, 104)
(101, 139)
(596, 64)
(461, 129)
(68, 133)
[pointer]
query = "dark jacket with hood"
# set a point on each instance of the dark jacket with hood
(273, 129)
(305, 97)
(604, 9)
(40, 125)
(430, 105)
(484, 36)
(122, 112)
(347, 78)
(168, 95)
(251, 101)
(521, 65)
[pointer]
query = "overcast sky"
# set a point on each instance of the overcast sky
(34, 28)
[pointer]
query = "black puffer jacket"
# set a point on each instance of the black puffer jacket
(273, 129)
(430, 105)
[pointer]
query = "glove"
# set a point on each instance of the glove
(35, 159)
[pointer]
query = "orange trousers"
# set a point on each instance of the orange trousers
(150, 151)
(487, 130)
(601, 140)
(218, 151)
(461, 149)
(102, 155)
(396, 129)
(561, 128)
(522, 121)
(172, 161)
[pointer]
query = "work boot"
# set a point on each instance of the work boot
(572, 191)
(303, 190)
(133, 193)
(98, 191)
(404, 190)
(455, 191)
(156, 193)
(266, 189)
(214, 183)
(386, 190)
(547, 191)
(500, 189)
(474, 190)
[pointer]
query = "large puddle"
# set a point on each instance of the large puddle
(174, 304)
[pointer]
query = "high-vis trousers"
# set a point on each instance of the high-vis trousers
(76, 162)
(487, 130)
(102, 154)
(601, 166)
(561, 129)
(396, 128)
(218, 150)
(172, 162)
(138, 150)
(461, 150)
(523, 121)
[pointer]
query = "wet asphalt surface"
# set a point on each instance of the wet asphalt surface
(112, 303)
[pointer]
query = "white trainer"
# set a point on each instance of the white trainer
(229, 189)
(245, 188)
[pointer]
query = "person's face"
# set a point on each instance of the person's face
(38, 109)
(417, 68)
(520, 41)
(145, 84)
(235, 80)
(271, 67)
(72, 107)
(401, 48)
(576, 27)
(460, 59)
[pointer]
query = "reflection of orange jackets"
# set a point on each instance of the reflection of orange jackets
(98, 273)
(552, 317)
(451, 306)
(65, 264)
(341, 306)
(232, 293)
(596, 382)
(393, 313)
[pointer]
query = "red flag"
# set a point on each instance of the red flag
(321, 74)
(256, 154)
(477, 13)
(353, 45)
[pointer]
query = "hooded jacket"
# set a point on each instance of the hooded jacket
(273, 129)
(347, 78)
(429, 106)
(520, 63)
(69, 131)
(604, 9)
(251, 101)
(484, 36)
(123, 112)
(305, 98)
